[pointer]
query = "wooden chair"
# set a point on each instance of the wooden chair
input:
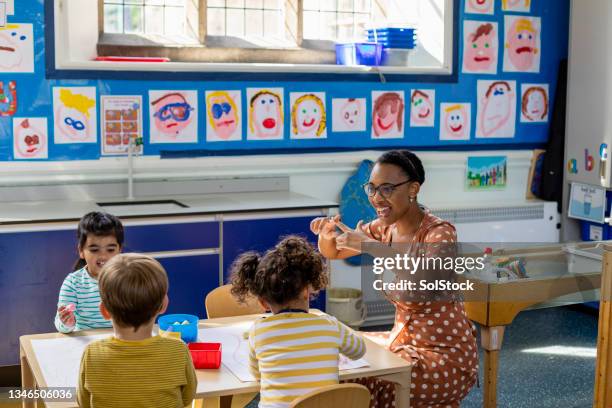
(221, 303)
(338, 396)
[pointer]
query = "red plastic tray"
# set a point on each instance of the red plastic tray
(205, 355)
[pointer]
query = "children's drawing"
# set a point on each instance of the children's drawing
(534, 103)
(349, 114)
(265, 114)
(522, 44)
(121, 122)
(486, 172)
(480, 49)
(223, 110)
(2, 14)
(16, 48)
(479, 6)
(308, 115)
(496, 109)
(422, 107)
(387, 114)
(8, 99)
(456, 121)
(10, 7)
(30, 138)
(75, 115)
(173, 116)
(516, 5)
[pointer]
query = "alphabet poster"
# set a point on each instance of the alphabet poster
(173, 116)
(496, 109)
(75, 115)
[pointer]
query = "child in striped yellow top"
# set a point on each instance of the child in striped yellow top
(133, 368)
(292, 352)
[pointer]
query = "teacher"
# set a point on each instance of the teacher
(436, 336)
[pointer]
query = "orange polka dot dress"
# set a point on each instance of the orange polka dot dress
(436, 337)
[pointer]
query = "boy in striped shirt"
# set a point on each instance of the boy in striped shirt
(292, 352)
(133, 368)
(100, 237)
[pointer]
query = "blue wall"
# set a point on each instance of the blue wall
(35, 95)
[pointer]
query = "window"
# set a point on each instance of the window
(285, 35)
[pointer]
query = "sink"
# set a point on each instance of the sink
(142, 207)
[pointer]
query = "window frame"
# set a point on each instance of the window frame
(186, 71)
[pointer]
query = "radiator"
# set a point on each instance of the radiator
(538, 222)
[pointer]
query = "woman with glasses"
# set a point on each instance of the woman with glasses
(436, 336)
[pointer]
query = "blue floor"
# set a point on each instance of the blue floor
(528, 380)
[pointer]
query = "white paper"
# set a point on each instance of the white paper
(223, 116)
(535, 103)
(308, 115)
(496, 116)
(480, 47)
(173, 116)
(266, 113)
(121, 117)
(480, 6)
(388, 116)
(235, 350)
(17, 48)
(516, 5)
(30, 138)
(10, 7)
(455, 121)
(349, 114)
(75, 115)
(422, 107)
(2, 14)
(60, 359)
(522, 44)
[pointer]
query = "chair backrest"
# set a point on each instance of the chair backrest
(221, 303)
(338, 396)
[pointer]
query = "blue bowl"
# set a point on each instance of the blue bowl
(189, 332)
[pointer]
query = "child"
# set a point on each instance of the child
(292, 352)
(100, 237)
(133, 368)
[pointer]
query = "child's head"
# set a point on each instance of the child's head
(100, 237)
(133, 290)
(290, 270)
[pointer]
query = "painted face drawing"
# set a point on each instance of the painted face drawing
(350, 112)
(10, 52)
(222, 114)
(308, 116)
(480, 48)
(515, 4)
(482, 6)
(522, 41)
(29, 140)
(534, 104)
(497, 107)
(422, 108)
(265, 114)
(455, 121)
(388, 113)
(72, 117)
(172, 113)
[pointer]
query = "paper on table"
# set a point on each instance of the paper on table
(235, 350)
(59, 359)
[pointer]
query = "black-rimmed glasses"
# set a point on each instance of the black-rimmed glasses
(385, 189)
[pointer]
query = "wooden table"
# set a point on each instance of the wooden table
(218, 383)
(496, 304)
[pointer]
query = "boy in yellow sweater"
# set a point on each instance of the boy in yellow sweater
(133, 368)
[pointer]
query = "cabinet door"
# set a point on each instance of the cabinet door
(191, 278)
(170, 236)
(241, 235)
(34, 265)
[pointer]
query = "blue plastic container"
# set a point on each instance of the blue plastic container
(359, 54)
(189, 332)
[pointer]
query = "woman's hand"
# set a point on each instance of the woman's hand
(325, 227)
(351, 239)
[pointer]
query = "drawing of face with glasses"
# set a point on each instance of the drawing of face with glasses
(172, 113)
(222, 114)
(73, 114)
